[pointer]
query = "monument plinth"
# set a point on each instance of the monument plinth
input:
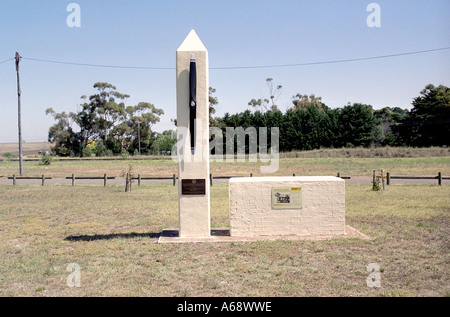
(285, 206)
(260, 207)
(193, 137)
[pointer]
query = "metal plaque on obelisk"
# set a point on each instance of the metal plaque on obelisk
(193, 137)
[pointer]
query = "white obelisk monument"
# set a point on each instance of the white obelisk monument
(193, 138)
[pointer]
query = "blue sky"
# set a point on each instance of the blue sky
(236, 33)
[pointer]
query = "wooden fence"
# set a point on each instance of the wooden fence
(438, 177)
(139, 178)
(73, 178)
(15, 178)
(388, 178)
(104, 178)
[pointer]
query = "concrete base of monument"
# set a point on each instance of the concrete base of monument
(223, 235)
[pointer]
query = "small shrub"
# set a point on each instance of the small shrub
(376, 186)
(129, 174)
(99, 148)
(8, 155)
(87, 152)
(46, 160)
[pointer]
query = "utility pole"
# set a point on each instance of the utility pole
(19, 92)
(139, 136)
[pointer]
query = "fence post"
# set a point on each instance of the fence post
(126, 183)
(43, 180)
(174, 179)
(388, 178)
(293, 174)
(14, 179)
(251, 174)
(210, 179)
(139, 180)
(73, 180)
(104, 180)
(339, 174)
(440, 179)
(373, 180)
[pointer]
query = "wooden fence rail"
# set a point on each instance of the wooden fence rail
(73, 178)
(104, 177)
(388, 178)
(94, 177)
(43, 178)
(211, 178)
(439, 178)
(139, 178)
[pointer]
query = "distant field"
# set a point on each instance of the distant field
(348, 162)
(352, 166)
(28, 148)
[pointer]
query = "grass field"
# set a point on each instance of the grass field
(351, 166)
(347, 161)
(112, 236)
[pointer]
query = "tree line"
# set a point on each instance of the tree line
(106, 126)
(310, 124)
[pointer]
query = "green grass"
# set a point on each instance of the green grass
(113, 239)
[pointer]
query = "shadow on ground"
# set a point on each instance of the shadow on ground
(133, 235)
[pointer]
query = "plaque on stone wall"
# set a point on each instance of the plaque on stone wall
(287, 198)
(192, 187)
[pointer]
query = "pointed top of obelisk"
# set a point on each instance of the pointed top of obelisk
(192, 43)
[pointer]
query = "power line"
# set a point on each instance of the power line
(97, 65)
(7, 60)
(337, 61)
(241, 67)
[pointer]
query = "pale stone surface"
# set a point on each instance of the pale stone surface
(194, 211)
(222, 235)
(322, 213)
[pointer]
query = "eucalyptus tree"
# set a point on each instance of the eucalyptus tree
(109, 106)
(268, 104)
(64, 139)
(104, 116)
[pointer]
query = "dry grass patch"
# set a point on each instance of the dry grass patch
(350, 166)
(112, 236)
